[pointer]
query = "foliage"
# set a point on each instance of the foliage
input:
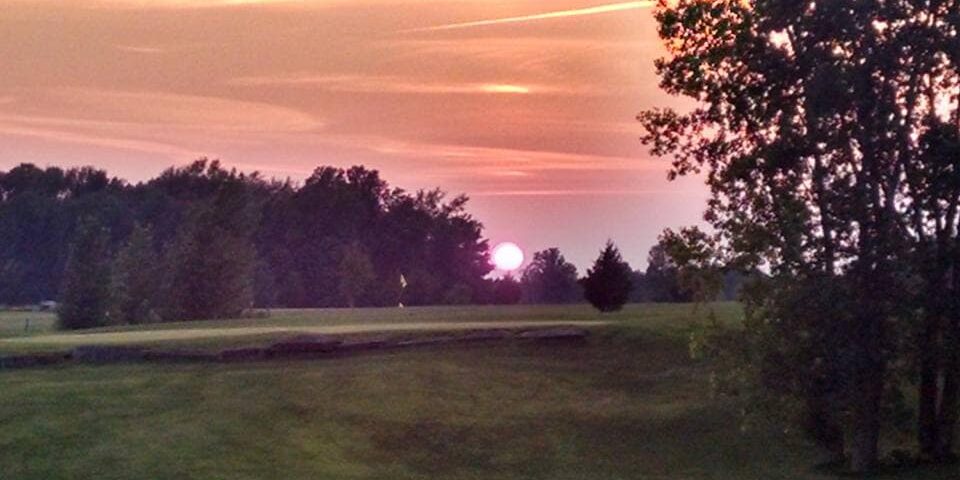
(226, 240)
(808, 127)
(506, 290)
(86, 288)
(356, 274)
(211, 261)
(660, 282)
(549, 278)
(697, 261)
(136, 295)
(39, 209)
(607, 285)
(935, 214)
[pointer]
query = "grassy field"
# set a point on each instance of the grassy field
(629, 404)
(251, 331)
(24, 323)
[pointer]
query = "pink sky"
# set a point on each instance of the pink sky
(526, 106)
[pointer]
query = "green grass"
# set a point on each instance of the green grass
(250, 331)
(15, 323)
(629, 404)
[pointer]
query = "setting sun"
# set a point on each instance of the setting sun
(507, 256)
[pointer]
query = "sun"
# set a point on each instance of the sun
(507, 256)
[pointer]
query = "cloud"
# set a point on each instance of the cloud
(210, 4)
(198, 3)
(98, 140)
(499, 162)
(140, 49)
(576, 193)
(615, 7)
(389, 84)
(173, 125)
(94, 107)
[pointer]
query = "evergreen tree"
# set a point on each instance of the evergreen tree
(86, 287)
(136, 280)
(608, 284)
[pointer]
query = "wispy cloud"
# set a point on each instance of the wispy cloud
(140, 49)
(166, 124)
(98, 140)
(202, 3)
(493, 161)
(575, 193)
(161, 109)
(615, 7)
(389, 84)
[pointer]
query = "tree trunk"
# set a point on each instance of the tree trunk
(868, 371)
(865, 441)
(824, 426)
(948, 414)
(950, 401)
(928, 434)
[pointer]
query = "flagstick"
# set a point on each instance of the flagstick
(403, 286)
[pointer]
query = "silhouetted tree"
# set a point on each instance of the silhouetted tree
(136, 280)
(211, 262)
(549, 278)
(39, 209)
(210, 224)
(639, 293)
(507, 290)
(356, 274)
(698, 266)
(607, 285)
(808, 126)
(86, 287)
(935, 215)
(661, 280)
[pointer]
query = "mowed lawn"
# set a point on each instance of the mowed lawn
(629, 404)
(24, 323)
(267, 326)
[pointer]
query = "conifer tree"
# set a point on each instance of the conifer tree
(607, 285)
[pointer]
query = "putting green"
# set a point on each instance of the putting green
(144, 336)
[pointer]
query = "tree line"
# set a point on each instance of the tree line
(829, 135)
(203, 242)
(550, 278)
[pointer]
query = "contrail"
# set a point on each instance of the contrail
(616, 7)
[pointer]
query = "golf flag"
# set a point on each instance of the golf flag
(403, 285)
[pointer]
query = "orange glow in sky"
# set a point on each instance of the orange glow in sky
(528, 106)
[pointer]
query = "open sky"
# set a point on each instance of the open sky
(527, 106)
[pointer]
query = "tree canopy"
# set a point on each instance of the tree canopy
(550, 278)
(214, 241)
(822, 128)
